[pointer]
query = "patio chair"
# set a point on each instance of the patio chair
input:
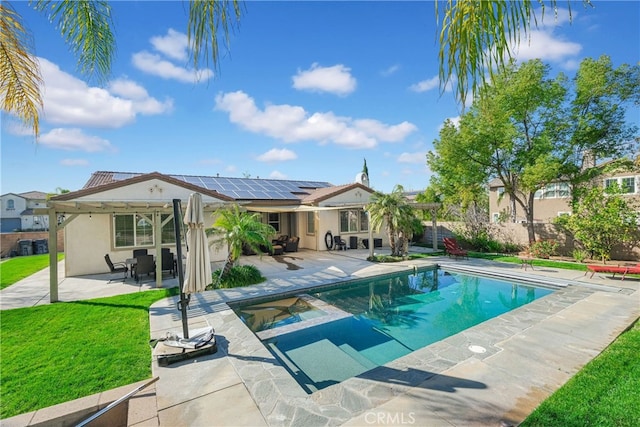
(292, 244)
(280, 240)
(339, 243)
(631, 270)
(138, 252)
(169, 262)
(452, 248)
(145, 265)
(615, 269)
(118, 267)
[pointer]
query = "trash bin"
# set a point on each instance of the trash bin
(26, 247)
(353, 242)
(40, 246)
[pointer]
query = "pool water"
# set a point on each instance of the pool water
(384, 318)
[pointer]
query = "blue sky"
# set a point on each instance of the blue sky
(307, 91)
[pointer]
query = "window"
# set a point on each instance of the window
(10, 205)
(495, 217)
(137, 230)
(311, 223)
(626, 184)
(274, 220)
(353, 221)
(168, 229)
(500, 191)
(557, 190)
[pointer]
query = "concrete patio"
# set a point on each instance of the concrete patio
(529, 353)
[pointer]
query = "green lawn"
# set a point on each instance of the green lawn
(60, 352)
(606, 392)
(20, 267)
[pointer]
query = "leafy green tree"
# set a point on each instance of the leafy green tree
(394, 212)
(529, 130)
(603, 219)
(86, 26)
(237, 228)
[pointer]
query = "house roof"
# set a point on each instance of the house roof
(239, 189)
(30, 195)
(323, 194)
(37, 195)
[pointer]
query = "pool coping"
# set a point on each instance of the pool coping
(282, 401)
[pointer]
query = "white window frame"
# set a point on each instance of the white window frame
(140, 241)
(619, 181)
(275, 221)
(357, 221)
(311, 223)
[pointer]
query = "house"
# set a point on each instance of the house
(555, 198)
(17, 212)
(116, 212)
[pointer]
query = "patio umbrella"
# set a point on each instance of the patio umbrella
(198, 269)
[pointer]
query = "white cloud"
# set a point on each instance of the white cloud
(153, 64)
(174, 45)
(277, 175)
(74, 140)
(432, 83)
(74, 162)
(543, 45)
(292, 123)
(391, 70)
(70, 101)
(277, 155)
(231, 169)
(426, 85)
(336, 79)
(454, 120)
(416, 157)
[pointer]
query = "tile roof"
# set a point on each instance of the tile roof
(38, 195)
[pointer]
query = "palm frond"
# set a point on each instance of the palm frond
(86, 26)
(206, 19)
(21, 80)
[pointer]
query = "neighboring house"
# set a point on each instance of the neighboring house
(555, 199)
(116, 212)
(17, 212)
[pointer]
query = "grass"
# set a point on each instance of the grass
(60, 352)
(605, 392)
(18, 268)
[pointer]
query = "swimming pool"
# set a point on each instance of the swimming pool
(329, 334)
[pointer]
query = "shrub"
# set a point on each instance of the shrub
(238, 276)
(543, 248)
(580, 255)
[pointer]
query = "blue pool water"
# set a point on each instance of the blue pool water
(365, 324)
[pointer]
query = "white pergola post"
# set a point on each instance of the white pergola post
(53, 255)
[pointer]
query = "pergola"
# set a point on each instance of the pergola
(62, 212)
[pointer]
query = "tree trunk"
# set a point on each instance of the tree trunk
(228, 265)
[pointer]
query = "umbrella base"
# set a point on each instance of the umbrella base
(167, 355)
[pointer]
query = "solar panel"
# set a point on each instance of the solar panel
(119, 176)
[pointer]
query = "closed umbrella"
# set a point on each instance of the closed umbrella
(198, 270)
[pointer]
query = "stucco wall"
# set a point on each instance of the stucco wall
(517, 233)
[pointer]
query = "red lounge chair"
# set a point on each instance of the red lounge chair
(452, 248)
(615, 269)
(631, 270)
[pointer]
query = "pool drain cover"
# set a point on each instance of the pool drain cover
(477, 349)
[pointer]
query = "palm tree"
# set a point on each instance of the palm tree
(237, 228)
(393, 210)
(86, 26)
